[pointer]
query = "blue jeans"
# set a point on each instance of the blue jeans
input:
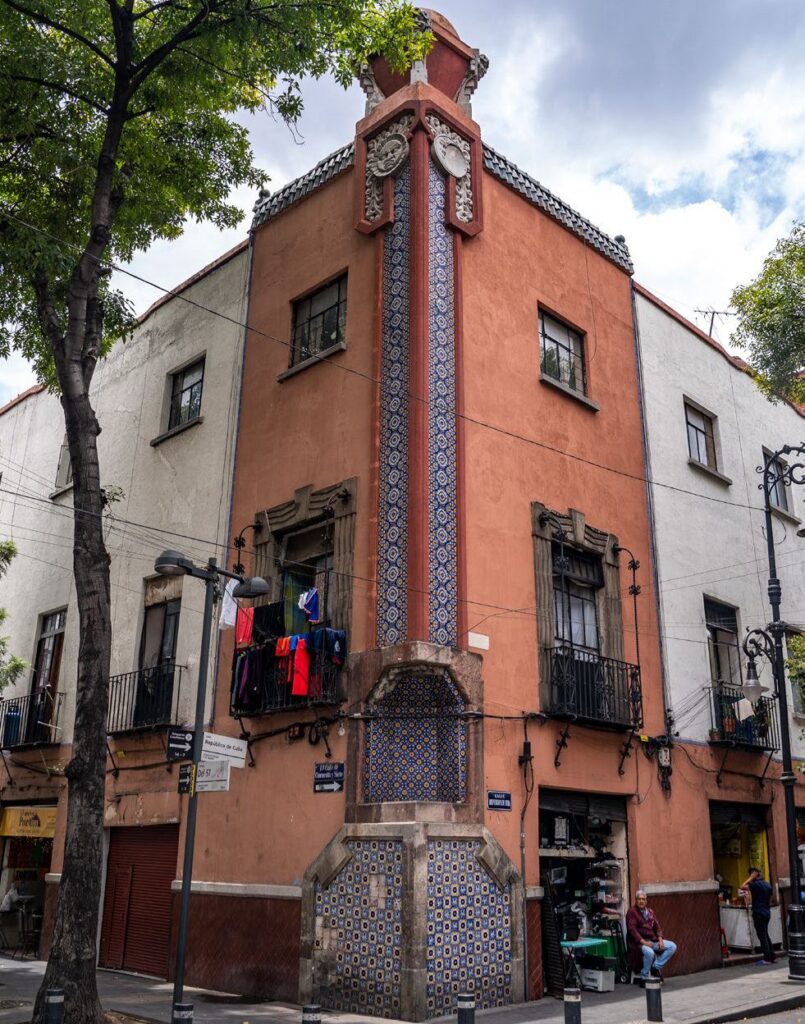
(652, 957)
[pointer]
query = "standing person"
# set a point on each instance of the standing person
(648, 951)
(760, 894)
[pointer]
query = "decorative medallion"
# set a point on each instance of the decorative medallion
(386, 153)
(452, 156)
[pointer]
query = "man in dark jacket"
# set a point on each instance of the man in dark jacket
(760, 893)
(648, 950)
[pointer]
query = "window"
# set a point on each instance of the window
(186, 386)
(575, 597)
(722, 642)
(778, 496)
(64, 471)
(307, 561)
(701, 441)
(319, 321)
(48, 652)
(562, 353)
(160, 629)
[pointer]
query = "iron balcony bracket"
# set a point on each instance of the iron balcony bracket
(720, 774)
(5, 765)
(115, 766)
(561, 743)
(762, 779)
(626, 751)
(246, 735)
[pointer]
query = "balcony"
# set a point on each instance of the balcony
(757, 732)
(585, 687)
(264, 687)
(30, 721)
(146, 699)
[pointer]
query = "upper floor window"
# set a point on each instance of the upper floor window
(562, 353)
(319, 321)
(701, 436)
(186, 387)
(576, 581)
(47, 659)
(778, 495)
(723, 643)
(64, 471)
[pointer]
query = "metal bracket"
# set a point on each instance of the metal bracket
(561, 743)
(626, 751)
(721, 768)
(246, 735)
(168, 764)
(762, 779)
(5, 765)
(115, 768)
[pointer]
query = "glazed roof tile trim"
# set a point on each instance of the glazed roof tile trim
(270, 205)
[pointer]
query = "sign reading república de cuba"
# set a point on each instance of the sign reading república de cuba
(34, 822)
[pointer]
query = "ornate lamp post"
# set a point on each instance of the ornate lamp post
(768, 643)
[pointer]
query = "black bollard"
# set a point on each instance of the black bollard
(54, 1006)
(572, 1001)
(653, 999)
(465, 1006)
(311, 1014)
(182, 1013)
(796, 943)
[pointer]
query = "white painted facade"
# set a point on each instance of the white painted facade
(709, 527)
(182, 484)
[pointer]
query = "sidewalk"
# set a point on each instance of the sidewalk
(711, 997)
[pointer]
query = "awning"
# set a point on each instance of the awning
(33, 821)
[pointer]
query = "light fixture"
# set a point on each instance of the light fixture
(173, 563)
(252, 586)
(752, 689)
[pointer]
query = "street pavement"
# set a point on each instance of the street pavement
(711, 997)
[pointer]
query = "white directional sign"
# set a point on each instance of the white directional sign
(224, 748)
(212, 776)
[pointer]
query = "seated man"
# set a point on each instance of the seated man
(648, 951)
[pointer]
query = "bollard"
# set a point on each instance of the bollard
(54, 1006)
(796, 943)
(182, 1013)
(654, 999)
(572, 1001)
(465, 1006)
(311, 1014)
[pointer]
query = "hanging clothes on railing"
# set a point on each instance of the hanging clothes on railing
(269, 621)
(301, 668)
(243, 626)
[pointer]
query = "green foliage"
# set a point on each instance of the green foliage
(11, 667)
(771, 319)
(175, 72)
(795, 663)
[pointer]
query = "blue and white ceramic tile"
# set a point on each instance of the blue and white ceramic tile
(392, 574)
(359, 930)
(468, 930)
(442, 566)
(416, 746)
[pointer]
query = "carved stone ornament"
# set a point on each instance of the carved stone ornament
(374, 94)
(451, 154)
(385, 154)
(478, 67)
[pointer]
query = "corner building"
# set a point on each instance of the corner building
(449, 450)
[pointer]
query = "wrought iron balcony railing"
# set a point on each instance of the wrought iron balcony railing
(588, 688)
(755, 732)
(266, 688)
(30, 721)
(145, 699)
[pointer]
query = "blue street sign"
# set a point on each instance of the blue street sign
(328, 777)
(496, 800)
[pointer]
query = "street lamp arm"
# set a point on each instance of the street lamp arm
(758, 643)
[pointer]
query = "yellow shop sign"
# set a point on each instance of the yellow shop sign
(36, 822)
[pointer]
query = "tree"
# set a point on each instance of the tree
(116, 125)
(11, 667)
(771, 319)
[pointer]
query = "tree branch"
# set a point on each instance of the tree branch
(46, 309)
(59, 87)
(43, 19)
(142, 70)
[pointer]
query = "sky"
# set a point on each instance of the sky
(680, 125)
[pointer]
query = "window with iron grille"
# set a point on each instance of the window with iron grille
(576, 578)
(701, 438)
(778, 496)
(319, 321)
(723, 643)
(186, 388)
(562, 353)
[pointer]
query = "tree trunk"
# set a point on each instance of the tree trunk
(72, 960)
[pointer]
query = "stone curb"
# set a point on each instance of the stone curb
(742, 1012)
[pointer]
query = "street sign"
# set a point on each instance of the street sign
(328, 777)
(213, 776)
(180, 744)
(187, 773)
(497, 800)
(224, 748)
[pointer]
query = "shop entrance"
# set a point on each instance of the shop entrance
(584, 872)
(27, 834)
(740, 840)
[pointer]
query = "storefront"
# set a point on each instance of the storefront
(739, 835)
(584, 871)
(27, 835)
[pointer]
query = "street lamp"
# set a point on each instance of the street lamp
(174, 563)
(768, 643)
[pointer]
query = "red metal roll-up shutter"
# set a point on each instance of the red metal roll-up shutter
(149, 854)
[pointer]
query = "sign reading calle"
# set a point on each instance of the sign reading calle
(497, 800)
(328, 777)
(224, 748)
